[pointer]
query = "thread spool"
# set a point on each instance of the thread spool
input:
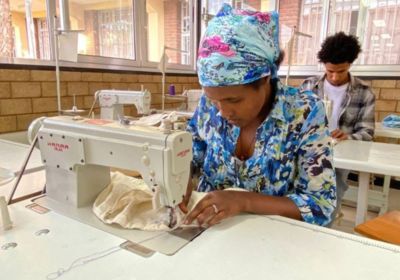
(171, 90)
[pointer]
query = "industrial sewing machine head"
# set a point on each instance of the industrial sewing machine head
(112, 101)
(78, 153)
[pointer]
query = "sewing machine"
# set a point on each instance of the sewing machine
(112, 101)
(78, 153)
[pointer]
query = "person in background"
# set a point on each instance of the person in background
(352, 102)
(252, 133)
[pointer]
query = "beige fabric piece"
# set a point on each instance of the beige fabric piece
(127, 201)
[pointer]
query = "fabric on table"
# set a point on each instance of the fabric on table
(127, 201)
(392, 121)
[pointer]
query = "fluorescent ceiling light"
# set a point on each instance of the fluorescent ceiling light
(385, 36)
(389, 45)
(379, 23)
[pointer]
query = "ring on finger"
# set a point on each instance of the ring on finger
(215, 208)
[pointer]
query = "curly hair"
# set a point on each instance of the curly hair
(339, 48)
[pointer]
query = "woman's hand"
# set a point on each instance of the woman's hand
(216, 206)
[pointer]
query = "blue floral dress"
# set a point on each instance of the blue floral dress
(292, 155)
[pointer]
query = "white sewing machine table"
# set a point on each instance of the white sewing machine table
(383, 131)
(12, 155)
(367, 158)
(244, 247)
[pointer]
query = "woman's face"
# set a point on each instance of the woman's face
(240, 105)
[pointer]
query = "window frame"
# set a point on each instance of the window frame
(140, 64)
(171, 66)
(376, 70)
(371, 70)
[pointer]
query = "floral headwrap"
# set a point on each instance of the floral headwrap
(238, 47)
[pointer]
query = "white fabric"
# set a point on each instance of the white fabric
(335, 94)
(156, 119)
(127, 201)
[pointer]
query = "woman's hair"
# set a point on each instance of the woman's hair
(272, 81)
(339, 48)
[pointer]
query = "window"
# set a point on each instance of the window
(210, 8)
(123, 34)
(24, 29)
(169, 26)
(107, 28)
(375, 22)
(304, 17)
(213, 6)
(134, 33)
(185, 27)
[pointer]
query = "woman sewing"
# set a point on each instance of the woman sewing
(251, 132)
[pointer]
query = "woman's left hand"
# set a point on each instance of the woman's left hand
(216, 206)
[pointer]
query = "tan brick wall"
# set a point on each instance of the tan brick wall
(388, 100)
(5, 91)
(26, 94)
(29, 94)
(25, 89)
(8, 123)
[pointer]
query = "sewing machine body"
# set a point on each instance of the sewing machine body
(78, 154)
(112, 102)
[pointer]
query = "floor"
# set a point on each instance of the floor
(346, 222)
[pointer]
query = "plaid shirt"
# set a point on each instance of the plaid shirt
(357, 116)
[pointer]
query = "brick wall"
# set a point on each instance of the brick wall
(172, 28)
(289, 12)
(28, 94)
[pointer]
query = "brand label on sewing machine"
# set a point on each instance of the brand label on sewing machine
(58, 146)
(61, 150)
(183, 153)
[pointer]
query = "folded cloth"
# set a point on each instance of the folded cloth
(392, 121)
(127, 201)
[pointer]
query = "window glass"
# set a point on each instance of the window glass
(24, 32)
(108, 28)
(169, 25)
(301, 28)
(213, 6)
(210, 8)
(376, 23)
